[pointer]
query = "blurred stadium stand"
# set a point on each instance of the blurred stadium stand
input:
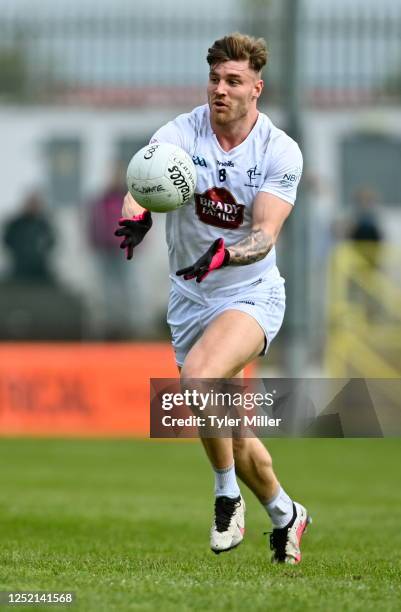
(85, 84)
(152, 53)
(40, 312)
(364, 313)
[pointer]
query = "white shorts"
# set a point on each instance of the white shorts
(188, 319)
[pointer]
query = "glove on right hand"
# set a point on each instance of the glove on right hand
(133, 230)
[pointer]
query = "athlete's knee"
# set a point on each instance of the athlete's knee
(196, 368)
(193, 382)
(204, 367)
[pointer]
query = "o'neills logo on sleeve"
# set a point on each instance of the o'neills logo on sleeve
(217, 206)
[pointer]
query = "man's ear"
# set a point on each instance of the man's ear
(258, 88)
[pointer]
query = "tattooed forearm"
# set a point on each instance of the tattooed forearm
(252, 248)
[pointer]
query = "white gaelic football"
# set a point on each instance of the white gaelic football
(161, 177)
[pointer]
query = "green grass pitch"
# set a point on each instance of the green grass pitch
(125, 525)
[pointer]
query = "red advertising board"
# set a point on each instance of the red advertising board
(79, 389)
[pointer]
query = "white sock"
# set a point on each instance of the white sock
(226, 482)
(280, 509)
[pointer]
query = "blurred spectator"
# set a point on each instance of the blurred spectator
(365, 228)
(29, 238)
(34, 305)
(115, 271)
(365, 225)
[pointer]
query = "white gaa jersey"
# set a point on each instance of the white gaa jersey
(228, 181)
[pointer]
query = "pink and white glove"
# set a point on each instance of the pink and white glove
(215, 257)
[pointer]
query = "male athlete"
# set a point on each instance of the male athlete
(227, 297)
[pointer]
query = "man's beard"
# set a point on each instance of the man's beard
(230, 115)
(222, 118)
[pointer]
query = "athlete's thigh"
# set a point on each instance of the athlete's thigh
(229, 342)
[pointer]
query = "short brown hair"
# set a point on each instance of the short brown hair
(239, 47)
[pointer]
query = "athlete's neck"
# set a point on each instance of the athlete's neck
(232, 134)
